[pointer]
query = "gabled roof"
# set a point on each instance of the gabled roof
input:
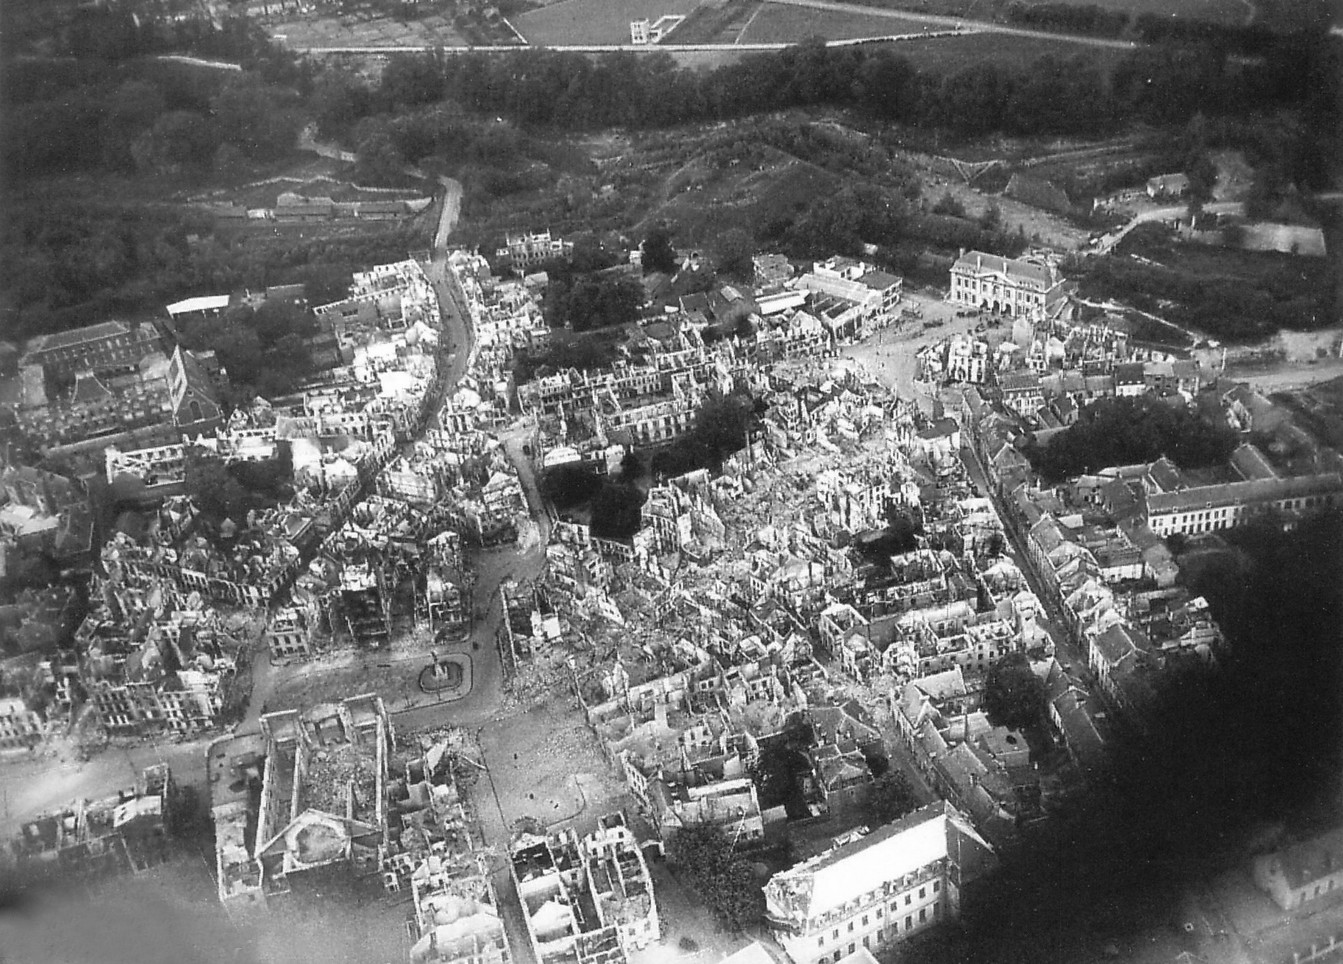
(1022, 381)
(823, 883)
(1116, 643)
(78, 336)
(88, 390)
(975, 261)
(1305, 862)
(752, 953)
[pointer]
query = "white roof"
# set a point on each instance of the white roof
(752, 953)
(773, 304)
(860, 956)
(201, 303)
(813, 888)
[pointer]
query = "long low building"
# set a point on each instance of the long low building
(1208, 508)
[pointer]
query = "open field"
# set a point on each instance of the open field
(594, 21)
(776, 23)
(949, 55)
(1214, 11)
(722, 23)
(1220, 11)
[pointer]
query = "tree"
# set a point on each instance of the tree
(1014, 696)
(570, 484)
(891, 797)
(616, 510)
(992, 218)
(380, 160)
(782, 764)
(723, 881)
(950, 205)
(1125, 431)
(215, 490)
(1202, 174)
(590, 302)
(736, 249)
(658, 253)
(179, 140)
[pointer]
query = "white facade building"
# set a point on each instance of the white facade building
(874, 890)
(1011, 286)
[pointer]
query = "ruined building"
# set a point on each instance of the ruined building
(322, 795)
(618, 879)
(563, 922)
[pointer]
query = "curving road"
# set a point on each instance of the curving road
(1105, 244)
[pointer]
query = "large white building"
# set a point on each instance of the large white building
(877, 889)
(1194, 510)
(1009, 285)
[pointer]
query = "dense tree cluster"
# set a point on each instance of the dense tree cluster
(72, 258)
(1014, 696)
(263, 348)
(1125, 431)
(589, 353)
(780, 769)
(1052, 95)
(724, 881)
(586, 302)
(721, 428)
(570, 484)
(148, 116)
(890, 797)
(1225, 303)
(617, 509)
(843, 222)
(614, 502)
(657, 250)
(223, 491)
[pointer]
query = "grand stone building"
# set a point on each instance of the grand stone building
(1009, 285)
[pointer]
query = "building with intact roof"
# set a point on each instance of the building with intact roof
(1302, 872)
(107, 346)
(1012, 286)
(1208, 508)
(874, 890)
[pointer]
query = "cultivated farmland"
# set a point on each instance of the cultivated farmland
(1214, 11)
(364, 30)
(1221, 11)
(594, 21)
(778, 23)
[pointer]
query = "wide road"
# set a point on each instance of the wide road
(968, 27)
(447, 216)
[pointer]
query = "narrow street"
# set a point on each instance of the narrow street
(1072, 659)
